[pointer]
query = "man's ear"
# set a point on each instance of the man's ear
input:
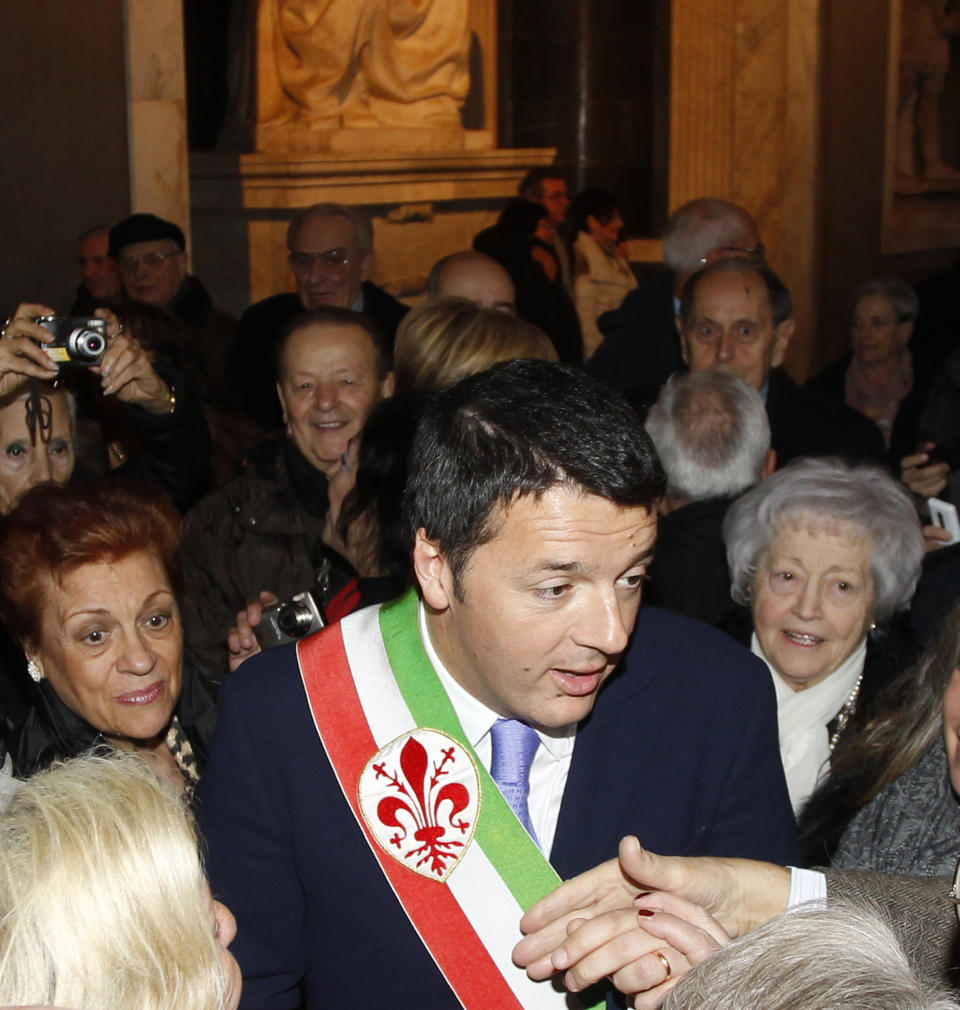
(783, 334)
(684, 345)
(769, 464)
(283, 403)
(433, 573)
(387, 386)
(905, 332)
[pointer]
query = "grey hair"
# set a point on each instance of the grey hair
(901, 296)
(816, 958)
(711, 433)
(362, 227)
(699, 227)
(822, 492)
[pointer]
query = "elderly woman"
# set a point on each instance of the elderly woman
(87, 588)
(877, 377)
(603, 278)
(103, 900)
(38, 430)
(823, 553)
(890, 802)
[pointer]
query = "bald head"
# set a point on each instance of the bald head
(476, 277)
(706, 230)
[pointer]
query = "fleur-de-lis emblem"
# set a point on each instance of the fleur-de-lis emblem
(420, 796)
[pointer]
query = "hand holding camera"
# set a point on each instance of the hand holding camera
(21, 349)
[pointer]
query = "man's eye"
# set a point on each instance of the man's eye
(60, 448)
(552, 592)
(16, 451)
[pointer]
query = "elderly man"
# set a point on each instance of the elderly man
(713, 438)
(390, 792)
(640, 347)
(154, 268)
(475, 276)
(99, 279)
(331, 255)
(736, 316)
(262, 532)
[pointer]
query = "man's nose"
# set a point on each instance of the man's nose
(609, 624)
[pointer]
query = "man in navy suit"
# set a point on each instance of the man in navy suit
(531, 500)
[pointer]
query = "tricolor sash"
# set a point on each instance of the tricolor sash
(460, 863)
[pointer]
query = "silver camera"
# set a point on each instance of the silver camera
(77, 341)
(289, 621)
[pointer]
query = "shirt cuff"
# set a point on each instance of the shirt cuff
(806, 887)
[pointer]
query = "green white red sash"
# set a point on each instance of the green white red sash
(457, 858)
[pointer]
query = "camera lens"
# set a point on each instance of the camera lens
(294, 619)
(86, 345)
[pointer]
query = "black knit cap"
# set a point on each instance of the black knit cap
(143, 228)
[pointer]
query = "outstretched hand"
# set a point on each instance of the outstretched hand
(20, 355)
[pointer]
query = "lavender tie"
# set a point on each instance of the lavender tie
(514, 744)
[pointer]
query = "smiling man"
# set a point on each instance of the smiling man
(262, 532)
(395, 791)
(331, 257)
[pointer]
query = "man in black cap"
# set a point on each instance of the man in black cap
(153, 263)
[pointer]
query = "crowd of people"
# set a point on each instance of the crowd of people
(358, 586)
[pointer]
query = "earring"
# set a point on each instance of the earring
(35, 675)
(873, 625)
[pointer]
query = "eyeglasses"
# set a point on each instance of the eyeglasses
(757, 252)
(151, 260)
(330, 259)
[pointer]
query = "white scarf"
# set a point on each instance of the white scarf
(803, 717)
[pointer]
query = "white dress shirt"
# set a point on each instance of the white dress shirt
(551, 763)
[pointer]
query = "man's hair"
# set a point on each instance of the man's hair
(333, 315)
(601, 203)
(778, 294)
(518, 429)
(103, 895)
(531, 185)
(445, 339)
(901, 296)
(362, 228)
(815, 958)
(699, 227)
(91, 231)
(711, 433)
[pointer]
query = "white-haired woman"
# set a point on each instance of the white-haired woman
(823, 553)
(103, 899)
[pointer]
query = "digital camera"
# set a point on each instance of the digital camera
(76, 341)
(289, 621)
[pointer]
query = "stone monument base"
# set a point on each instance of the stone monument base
(300, 137)
(423, 204)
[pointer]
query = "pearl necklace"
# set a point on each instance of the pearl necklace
(846, 710)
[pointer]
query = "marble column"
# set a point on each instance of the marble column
(157, 118)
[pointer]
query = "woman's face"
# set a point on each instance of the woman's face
(951, 728)
(111, 644)
(225, 930)
(812, 599)
(875, 334)
(606, 233)
(24, 463)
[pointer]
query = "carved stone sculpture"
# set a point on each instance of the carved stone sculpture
(325, 64)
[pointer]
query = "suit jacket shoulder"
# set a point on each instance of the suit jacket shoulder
(806, 423)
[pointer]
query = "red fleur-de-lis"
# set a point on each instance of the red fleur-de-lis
(423, 807)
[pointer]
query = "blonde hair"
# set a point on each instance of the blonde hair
(446, 339)
(103, 900)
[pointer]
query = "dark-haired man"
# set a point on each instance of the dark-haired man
(547, 185)
(351, 801)
(737, 316)
(262, 532)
